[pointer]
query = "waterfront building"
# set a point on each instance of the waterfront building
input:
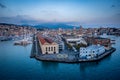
(91, 51)
(59, 41)
(48, 46)
(106, 42)
(103, 41)
(61, 45)
(14, 32)
(75, 40)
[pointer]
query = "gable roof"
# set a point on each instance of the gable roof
(44, 40)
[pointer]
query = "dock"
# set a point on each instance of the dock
(37, 54)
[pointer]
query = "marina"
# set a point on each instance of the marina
(23, 42)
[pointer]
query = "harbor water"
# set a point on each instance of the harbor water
(16, 64)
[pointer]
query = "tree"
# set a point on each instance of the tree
(69, 46)
(80, 45)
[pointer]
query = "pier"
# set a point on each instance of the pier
(64, 58)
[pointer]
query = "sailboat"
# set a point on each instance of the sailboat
(25, 41)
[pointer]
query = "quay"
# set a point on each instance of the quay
(106, 53)
(64, 58)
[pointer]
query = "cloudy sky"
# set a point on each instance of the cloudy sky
(66, 11)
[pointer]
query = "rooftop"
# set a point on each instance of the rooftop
(44, 40)
(93, 47)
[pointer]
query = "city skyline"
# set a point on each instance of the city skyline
(64, 11)
(52, 39)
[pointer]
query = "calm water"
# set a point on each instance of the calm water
(15, 64)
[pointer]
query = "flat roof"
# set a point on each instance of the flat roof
(93, 47)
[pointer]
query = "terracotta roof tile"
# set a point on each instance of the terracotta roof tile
(44, 40)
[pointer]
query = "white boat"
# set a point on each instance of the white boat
(23, 42)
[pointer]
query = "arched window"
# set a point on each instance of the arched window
(46, 49)
(54, 48)
(49, 48)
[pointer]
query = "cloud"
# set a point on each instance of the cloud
(20, 19)
(2, 5)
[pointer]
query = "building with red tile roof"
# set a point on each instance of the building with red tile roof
(47, 45)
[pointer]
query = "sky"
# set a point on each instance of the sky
(63, 11)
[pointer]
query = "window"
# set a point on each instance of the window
(46, 49)
(51, 48)
(54, 48)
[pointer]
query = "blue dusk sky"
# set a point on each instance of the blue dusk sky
(63, 11)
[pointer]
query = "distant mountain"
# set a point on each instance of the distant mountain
(45, 25)
(54, 26)
(6, 24)
(14, 25)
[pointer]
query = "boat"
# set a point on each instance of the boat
(5, 38)
(23, 42)
(112, 41)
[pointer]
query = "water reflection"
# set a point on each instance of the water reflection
(49, 65)
(85, 65)
(15, 60)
